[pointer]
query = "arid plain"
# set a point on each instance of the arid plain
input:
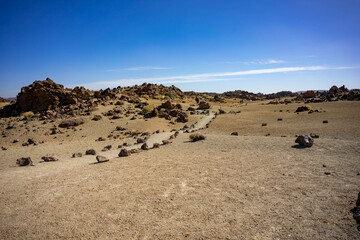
(256, 184)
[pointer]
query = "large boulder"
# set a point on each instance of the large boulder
(42, 95)
(305, 140)
(204, 105)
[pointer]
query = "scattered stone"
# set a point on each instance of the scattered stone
(156, 145)
(145, 147)
(134, 150)
(221, 111)
(235, 134)
(101, 159)
(325, 121)
(3, 148)
(264, 124)
(303, 109)
(166, 142)
(24, 161)
(356, 211)
(97, 118)
(267, 135)
(75, 155)
(279, 119)
(327, 173)
(314, 135)
(196, 137)
(106, 148)
(101, 139)
(90, 151)
(140, 140)
(305, 140)
(50, 158)
(71, 122)
(124, 153)
(16, 140)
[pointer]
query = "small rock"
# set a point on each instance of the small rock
(101, 159)
(279, 119)
(327, 173)
(24, 161)
(124, 153)
(97, 118)
(156, 145)
(50, 158)
(325, 121)
(90, 152)
(197, 137)
(166, 142)
(304, 140)
(145, 147)
(16, 140)
(267, 135)
(75, 155)
(235, 134)
(71, 122)
(140, 140)
(313, 135)
(3, 148)
(106, 148)
(264, 124)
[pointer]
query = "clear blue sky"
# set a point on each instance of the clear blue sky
(259, 46)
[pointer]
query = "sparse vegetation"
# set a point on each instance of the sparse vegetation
(147, 109)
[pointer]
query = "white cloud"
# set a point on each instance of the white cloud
(136, 69)
(268, 61)
(206, 77)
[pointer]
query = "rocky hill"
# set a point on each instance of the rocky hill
(333, 94)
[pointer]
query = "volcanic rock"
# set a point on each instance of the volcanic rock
(90, 151)
(71, 122)
(50, 158)
(124, 153)
(304, 140)
(204, 105)
(24, 161)
(101, 159)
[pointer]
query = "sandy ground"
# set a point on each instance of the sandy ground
(249, 186)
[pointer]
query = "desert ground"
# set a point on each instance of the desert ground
(257, 185)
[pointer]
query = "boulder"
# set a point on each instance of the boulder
(90, 151)
(24, 161)
(101, 159)
(50, 158)
(303, 109)
(124, 153)
(204, 105)
(305, 140)
(167, 105)
(197, 137)
(71, 122)
(75, 155)
(145, 146)
(97, 118)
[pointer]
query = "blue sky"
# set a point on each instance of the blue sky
(258, 46)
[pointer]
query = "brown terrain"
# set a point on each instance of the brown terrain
(247, 179)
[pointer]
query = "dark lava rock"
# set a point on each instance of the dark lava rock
(305, 140)
(50, 158)
(197, 137)
(90, 152)
(124, 153)
(235, 134)
(101, 159)
(24, 161)
(145, 146)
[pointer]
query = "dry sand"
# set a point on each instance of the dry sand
(249, 186)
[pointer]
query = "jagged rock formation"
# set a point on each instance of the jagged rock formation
(3, 100)
(334, 94)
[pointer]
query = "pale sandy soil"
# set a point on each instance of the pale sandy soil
(249, 186)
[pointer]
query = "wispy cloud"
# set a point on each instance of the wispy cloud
(268, 61)
(208, 77)
(136, 69)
